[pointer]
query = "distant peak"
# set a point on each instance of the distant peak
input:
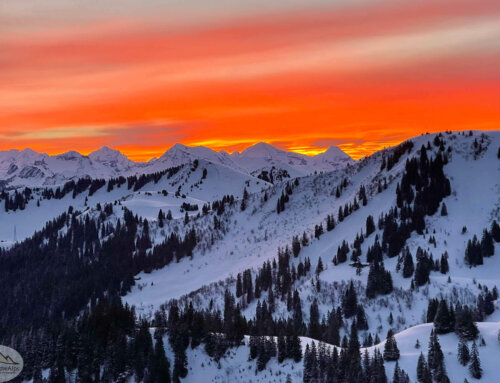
(259, 149)
(28, 151)
(104, 151)
(178, 145)
(70, 155)
(333, 152)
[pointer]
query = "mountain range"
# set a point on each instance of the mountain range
(29, 168)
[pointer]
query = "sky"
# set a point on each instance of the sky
(302, 75)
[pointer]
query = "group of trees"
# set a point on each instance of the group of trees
(16, 200)
(397, 152)
(466, 357)
(285, 195)
(54, 274)
(433, 369)
(19, 199)
(328, 364)
(273, 175)
(106, 342)
(460, 318)
(477, 250)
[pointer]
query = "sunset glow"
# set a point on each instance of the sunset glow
(362, 75)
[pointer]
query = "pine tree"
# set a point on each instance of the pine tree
(314, 326)
(370, 225)
(161, 365)
(391, 351)
(435, 355)
(408, 266)
(161, 216)
(487, 246)
(463, 353)
(495, 231)
(475, 364)
(423, 372)
(282, 349)
(396, 377)
(295, 246)
(239, 288)
(243, 205)
(350, 301)
(464, 324)
(444, 210)
(319, 268)
(443, 321)
(443, 263)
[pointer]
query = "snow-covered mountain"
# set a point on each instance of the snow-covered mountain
(181, 154)
(263, 156)
(29, 168)
(433, 199)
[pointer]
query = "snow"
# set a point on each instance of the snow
(254, 235)
(235, 366)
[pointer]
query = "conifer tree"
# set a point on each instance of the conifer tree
(444, 210)
(319, 268)
(370, 225)
(423, 372)
(487, 246)
(435, 356)
(314, 326)
(443, 263)
(408, 266)
(391, 351)
(350, 301)
(295, 246)
(463, 353)
(475, 364)
(443, 321)
(495, 231)
(161, 367)
(464, 324)
(161, 217)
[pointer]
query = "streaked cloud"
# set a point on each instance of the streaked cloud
(226, 74)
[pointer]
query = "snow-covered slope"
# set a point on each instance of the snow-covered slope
(205, 183)
(236, 366)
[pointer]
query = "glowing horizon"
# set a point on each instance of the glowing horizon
(300, 75)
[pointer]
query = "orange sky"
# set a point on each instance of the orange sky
(361, 74)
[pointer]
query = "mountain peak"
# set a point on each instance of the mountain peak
(333, 153)
(260, 149)
(70, 155)
(105, 153)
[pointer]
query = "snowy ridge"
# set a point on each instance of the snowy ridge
(29, 168)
